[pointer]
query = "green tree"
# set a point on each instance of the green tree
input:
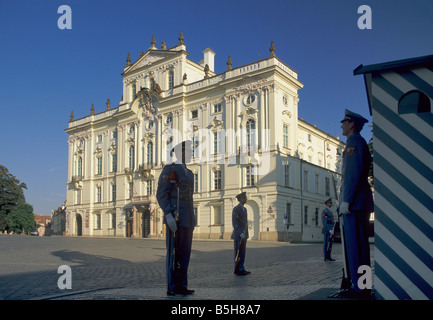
(11, 194)
(22, 219)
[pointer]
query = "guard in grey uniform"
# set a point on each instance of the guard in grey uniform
(327, 230)
(174, 195)
(240, 234)
(356, 200)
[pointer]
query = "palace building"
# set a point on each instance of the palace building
(246, 134)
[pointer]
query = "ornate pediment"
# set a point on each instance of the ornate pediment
(148, 59)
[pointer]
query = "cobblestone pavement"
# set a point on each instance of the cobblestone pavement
(134, 269)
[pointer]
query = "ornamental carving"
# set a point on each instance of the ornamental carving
(146, 99)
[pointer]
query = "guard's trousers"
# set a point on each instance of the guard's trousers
(327, 242)
(177, 276)
(241, 253)
(356, 243)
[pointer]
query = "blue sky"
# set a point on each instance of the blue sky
(45, 72)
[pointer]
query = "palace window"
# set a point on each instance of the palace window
(99, 165)
(195, 182)
(217, 108)
(171, 79)
(217, 180)
(113, 221)
(114, 162)
(217, 217)
(98, 194)
(327, 187)
(217, 145)
(250, 176)
(194, 114)
(251, 130)
(195, 145)
(286, 175)
(289, 212)
(169, 119)
(149, 187)
(114, 134)
(285, 135)
(305, 186)
(134, 91)
(97, 221)
(306, 215)
(80, 168)
(131, 158)
(113, 192)
(250, 99)
(285, 100)
(150, 153)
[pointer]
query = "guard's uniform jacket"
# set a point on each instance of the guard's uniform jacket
(173, 176)
(327, 220)
(240, 222)
(355, 189)
(240, 225)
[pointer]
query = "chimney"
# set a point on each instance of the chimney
(209, 59)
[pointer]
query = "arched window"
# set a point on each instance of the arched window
(251, 133)
(414, 102)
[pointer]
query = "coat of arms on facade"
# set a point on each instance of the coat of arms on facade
(147, 98)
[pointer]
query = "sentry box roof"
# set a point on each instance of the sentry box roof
(401, 66)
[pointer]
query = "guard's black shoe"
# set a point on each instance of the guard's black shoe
(352, 294)
(171, 293)
(184, 291)
(242, 273)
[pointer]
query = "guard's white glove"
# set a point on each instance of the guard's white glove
(171, 222)
(242, 236)
(331, 232)
(344, 208)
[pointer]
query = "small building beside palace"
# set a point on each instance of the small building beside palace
(246, 134)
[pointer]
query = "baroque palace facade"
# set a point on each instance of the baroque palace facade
(246, 134)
